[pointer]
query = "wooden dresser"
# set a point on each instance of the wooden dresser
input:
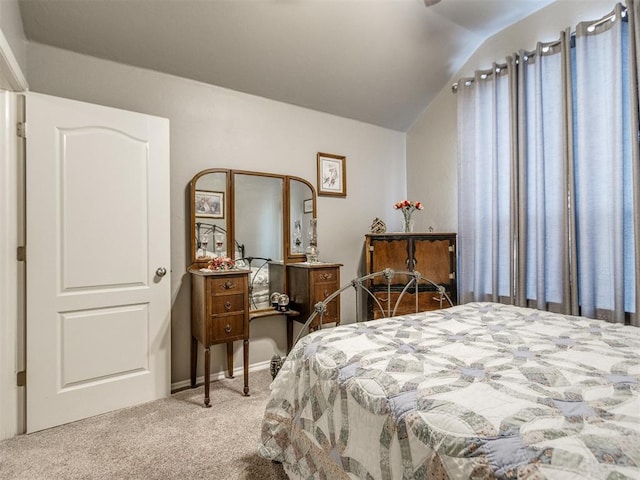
(219, 314)
(431, 254)
(308, 284)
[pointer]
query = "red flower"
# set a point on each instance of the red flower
(407, 205)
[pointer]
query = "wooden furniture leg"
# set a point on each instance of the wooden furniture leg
(194, 360)
(230, 358)
(207, 371)
(245, 348)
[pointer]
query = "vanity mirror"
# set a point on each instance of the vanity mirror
(258, 219)
(258, 216)
(301, 210)
(209, 215)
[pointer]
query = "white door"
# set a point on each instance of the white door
(97, 221)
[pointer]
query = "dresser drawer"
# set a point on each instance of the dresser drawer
(227, 303)
(225, 327)
(224, 286)
(325, 275)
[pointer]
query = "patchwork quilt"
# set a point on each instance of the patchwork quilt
(480, 390)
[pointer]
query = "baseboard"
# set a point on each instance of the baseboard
(238, 371)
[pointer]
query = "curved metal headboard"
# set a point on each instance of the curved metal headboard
(414, 280)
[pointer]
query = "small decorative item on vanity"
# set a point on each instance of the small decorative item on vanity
(408, 207)
(280, 301)
(222, 264)
(312, 250)
(283, 302)
(274, 299)
(378, 226)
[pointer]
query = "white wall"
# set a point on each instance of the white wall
(216, 127)
(431, 141)
(13, 46)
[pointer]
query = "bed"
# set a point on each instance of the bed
(481, 390)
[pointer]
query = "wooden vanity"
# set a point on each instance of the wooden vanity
(261, 221)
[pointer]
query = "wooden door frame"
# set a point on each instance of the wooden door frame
(12, 346)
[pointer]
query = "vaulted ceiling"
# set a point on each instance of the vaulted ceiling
(377, 61)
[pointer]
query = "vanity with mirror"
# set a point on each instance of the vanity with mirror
(262, 222)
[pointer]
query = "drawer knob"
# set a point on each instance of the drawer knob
(228, 285)
(227, 328)
(227, 306)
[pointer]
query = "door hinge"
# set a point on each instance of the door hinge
(452, 276)
(22, 254)
(371, 248)
(451, 248)
(21, 129)
(21, 378)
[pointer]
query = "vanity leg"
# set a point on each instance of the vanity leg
(245, 348)
(194, 360)
(230, 358)
(289, 334)
(207, 371)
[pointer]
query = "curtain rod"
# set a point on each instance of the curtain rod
(590, 28)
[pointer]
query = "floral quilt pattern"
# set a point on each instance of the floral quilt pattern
(481, 390)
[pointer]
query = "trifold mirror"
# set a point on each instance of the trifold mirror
(261, 220)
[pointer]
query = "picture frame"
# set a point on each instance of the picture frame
(332, 175)
(209, 204)
(307, 206)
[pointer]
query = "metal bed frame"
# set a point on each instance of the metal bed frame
(412, 283)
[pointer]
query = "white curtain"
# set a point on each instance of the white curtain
(544, 163)
(603, 173)
(485, 157)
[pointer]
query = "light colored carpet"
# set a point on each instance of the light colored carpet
(170, 438)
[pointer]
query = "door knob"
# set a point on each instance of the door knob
(161, 271)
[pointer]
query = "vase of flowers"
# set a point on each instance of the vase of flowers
(407, 208)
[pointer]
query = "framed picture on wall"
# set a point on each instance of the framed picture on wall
(209, 204)
(307, 206)
(332, 175)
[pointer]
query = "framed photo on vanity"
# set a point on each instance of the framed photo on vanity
(307, 206)
(209, 204)
(332, 175)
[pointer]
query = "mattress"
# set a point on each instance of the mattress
(481, 390)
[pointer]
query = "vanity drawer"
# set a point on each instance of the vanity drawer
(225, 327)
(325, 275)
(225, 286)
(321, 292)
(227, 303)
(330, 316)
